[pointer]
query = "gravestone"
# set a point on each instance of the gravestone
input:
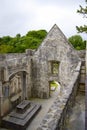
(21, 116)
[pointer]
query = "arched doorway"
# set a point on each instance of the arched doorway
(54, 88)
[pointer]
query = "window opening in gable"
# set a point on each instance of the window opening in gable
(55, 67)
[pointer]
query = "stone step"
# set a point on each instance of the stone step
(82, 78)
(23, 106)
(82, 81)
(81, 91)
(83, 67)
(82, 87)
(83, 71)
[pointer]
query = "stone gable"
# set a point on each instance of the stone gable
(54, 48)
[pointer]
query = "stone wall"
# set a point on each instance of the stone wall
(57, 114)
(54, 48)
(13, 66)
(82, 54)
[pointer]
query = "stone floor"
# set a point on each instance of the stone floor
(77, 115)
(46, 104)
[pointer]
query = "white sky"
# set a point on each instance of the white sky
(21, 16)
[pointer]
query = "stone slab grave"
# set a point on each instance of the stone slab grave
(21, 116)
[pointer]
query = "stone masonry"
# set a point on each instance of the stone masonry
(56, 117)
(54, 49)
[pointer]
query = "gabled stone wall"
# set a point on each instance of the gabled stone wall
(54, 48)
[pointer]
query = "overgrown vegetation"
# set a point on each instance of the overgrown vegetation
(32, 40)
(83, 11)
(19, 43)
(53, 83)
(77, 42)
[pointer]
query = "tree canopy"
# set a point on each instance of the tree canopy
(32, 40)
(83, 11)
(19, 43)
(77, 42)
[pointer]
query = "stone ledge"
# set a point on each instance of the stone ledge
(55, 117)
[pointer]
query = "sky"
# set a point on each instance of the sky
(21, 16)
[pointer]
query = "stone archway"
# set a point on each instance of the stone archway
(54, 86)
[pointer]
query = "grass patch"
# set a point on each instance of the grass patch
(53, 85)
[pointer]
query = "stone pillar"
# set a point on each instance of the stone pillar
(6, 73)
(23, 80)
(28, 86)
(1, 100)
(29, 77)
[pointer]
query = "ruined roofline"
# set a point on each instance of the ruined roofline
(55, 26)
(62, 35)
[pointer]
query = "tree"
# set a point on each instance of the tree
(40, 34)
(18, 35)
(6, 39)
(77, 42)
(6, 49)
(20, 43)
(83, 11)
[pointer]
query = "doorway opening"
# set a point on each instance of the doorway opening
(54, 88)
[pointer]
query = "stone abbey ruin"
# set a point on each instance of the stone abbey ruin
(29, 74)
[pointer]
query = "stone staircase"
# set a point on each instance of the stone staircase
(82, 78)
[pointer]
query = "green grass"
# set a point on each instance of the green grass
(53, 84)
